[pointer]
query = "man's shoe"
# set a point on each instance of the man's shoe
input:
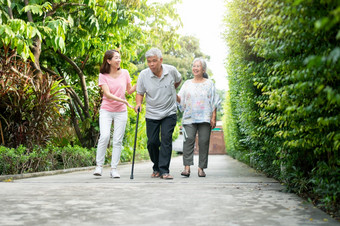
(166, 176)
(155, 174)
(114, 173)
(98, 171)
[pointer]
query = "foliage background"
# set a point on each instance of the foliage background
(282, 112)
(50, 56)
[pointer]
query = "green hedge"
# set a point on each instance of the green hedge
(283, 104)
(23, 160)
(35, 159)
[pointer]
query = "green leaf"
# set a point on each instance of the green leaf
(35, 9)
(334, 55)
(61, 44)
(321, 23)
(31, 56)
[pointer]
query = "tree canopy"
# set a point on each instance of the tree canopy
(67, 39)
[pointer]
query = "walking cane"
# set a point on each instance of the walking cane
(134, 145)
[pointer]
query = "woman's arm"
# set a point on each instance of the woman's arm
(110, 96)
(130, 89)
(213, 119)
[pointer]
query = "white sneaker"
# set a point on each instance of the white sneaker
(98, 171)
(114, 173)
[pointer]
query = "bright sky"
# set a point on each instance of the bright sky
(203, 19)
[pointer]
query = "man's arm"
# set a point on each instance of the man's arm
(177, 84)
(139, 100)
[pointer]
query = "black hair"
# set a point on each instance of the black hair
(105, 68)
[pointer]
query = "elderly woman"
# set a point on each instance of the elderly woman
(198, 101)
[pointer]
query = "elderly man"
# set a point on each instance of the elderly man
(158, 83)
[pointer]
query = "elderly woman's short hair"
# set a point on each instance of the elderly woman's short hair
(204, 66)
(153, 52)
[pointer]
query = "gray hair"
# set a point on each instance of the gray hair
(204, 66)
(153, 52)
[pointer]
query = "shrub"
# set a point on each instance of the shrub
(23, 160)
(29, 107)
(284, 99)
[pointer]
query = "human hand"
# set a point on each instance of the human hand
(138, 107)
(213, 123)
(129, 105)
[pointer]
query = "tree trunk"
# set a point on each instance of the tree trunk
(75, 125)
(36, 46)
(82, 83)
(75, 105)
(10, 13)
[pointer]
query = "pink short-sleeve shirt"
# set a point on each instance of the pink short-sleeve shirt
(117, 87)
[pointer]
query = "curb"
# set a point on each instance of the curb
(43, 173)
(11, 177)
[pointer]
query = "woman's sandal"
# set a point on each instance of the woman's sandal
(201, 173)
(186, 173)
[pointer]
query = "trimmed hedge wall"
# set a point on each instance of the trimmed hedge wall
(23, 160)
(282, 113)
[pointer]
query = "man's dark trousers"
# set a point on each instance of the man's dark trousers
(160, 149)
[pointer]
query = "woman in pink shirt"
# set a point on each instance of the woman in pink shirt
(114, 82)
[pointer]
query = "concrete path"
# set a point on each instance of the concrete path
(231, 194)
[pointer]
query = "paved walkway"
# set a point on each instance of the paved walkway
(231, 194)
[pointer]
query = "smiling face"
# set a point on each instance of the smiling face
(155, 64)
(197, 69)
(115, 60)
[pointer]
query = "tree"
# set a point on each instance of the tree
(68, 39)
(183, 56)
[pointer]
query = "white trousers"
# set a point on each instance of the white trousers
(105, 122)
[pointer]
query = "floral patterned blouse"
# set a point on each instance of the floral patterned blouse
(198, 101)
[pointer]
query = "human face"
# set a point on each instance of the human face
(197, 69)
(115, 60)
(155, 64)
